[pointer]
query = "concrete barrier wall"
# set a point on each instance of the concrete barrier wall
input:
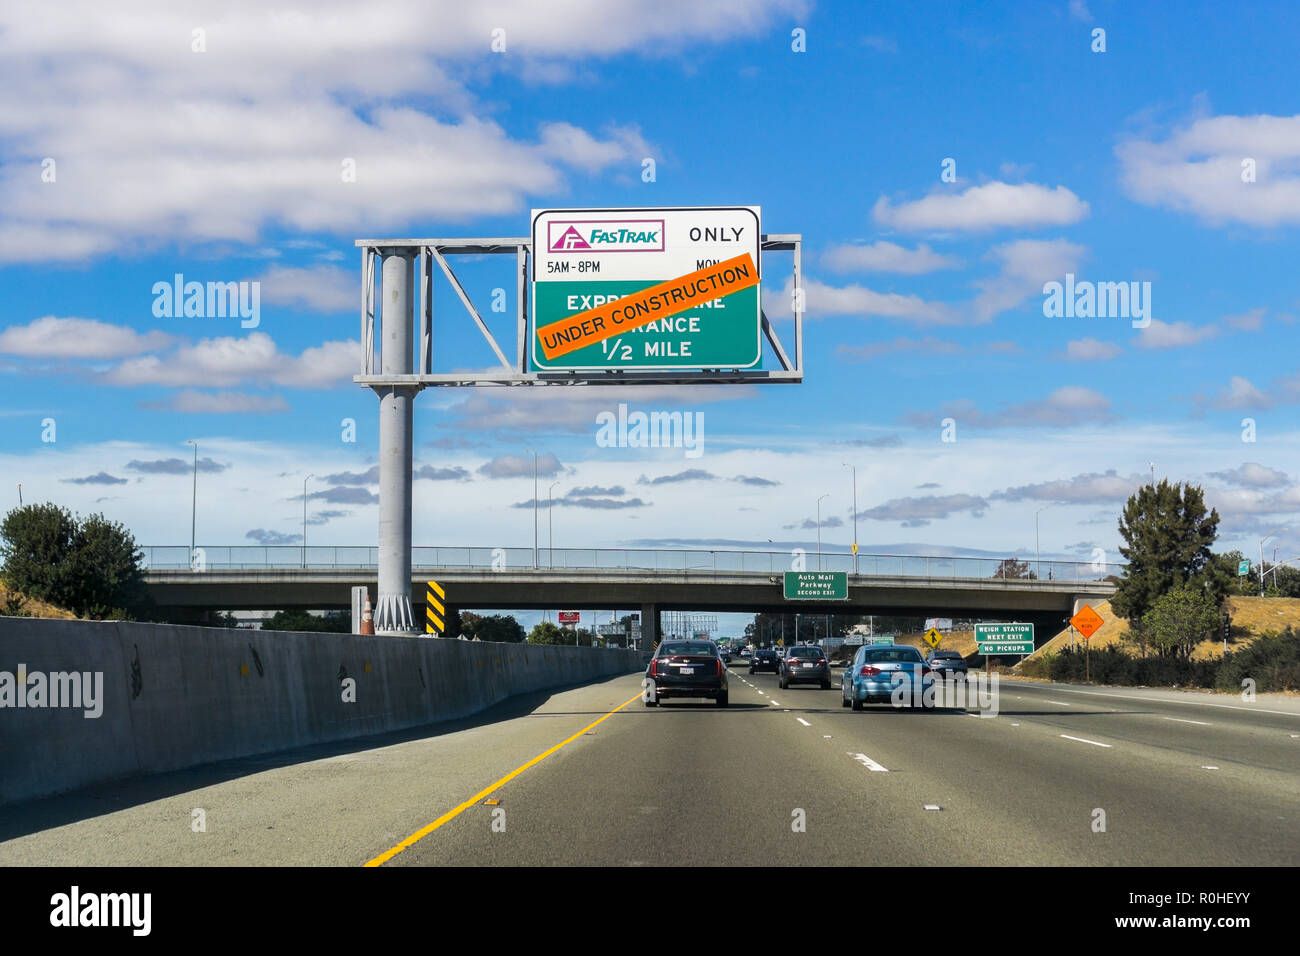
(179, 696)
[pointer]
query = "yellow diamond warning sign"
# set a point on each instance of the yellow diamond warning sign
(933, 637)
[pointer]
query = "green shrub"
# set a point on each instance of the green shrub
(1272, 662)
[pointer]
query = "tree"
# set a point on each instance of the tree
(297, 619)
(90, 566)
(1011, 568)
(1167, 534)
(501, 628)
(106, 567)
(545, 632)
(1179, 620)
(38, 541)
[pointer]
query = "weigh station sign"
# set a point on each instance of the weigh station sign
(646, 288)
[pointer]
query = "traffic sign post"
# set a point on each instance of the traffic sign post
(586, 260)
(816, 586)
(1243, 567)
(933, 637)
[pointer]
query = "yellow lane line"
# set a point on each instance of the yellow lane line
(419, 835)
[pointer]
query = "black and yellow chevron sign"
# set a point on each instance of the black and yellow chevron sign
(434, 612)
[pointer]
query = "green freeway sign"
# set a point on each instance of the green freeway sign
(584, 258)
(1243, 568)
(1005, 638)
(816, 585)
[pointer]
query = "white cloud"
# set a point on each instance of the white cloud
(1026, 264)
(1094, 488)
(1091, 350)
(1067, 406)
(230, 361)
(152, 139)
(1241, 394)
(192, 402)
(1079, 11)
(979, 208)
(318, 288)
(52, 337)
(1168, 335)
(887, 257)
(1198, 170)
(1253, 475)
(821, 300)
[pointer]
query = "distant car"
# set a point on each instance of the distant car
(726, 655)
(873, 676)
(686, 669)
(765, 659)
(806, 664)
(745, 652)
(947, 662)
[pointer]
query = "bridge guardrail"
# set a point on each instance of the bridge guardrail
(352, 558)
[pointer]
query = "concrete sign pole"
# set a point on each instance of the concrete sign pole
(392, 613)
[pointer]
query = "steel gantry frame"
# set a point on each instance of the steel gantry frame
(386, 281)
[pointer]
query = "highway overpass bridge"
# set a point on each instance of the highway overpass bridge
(258, 578)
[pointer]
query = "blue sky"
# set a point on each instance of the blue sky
(924, 296)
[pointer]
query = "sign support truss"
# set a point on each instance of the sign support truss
(513, 370)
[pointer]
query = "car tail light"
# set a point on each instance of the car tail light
(719, 668)
(654, 667)
(792, 660)
(869, 671)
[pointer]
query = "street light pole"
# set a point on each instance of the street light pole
(304, 520)
(1038, 563)
(550, 525)
(194, 498)
(819, 530)
(855, 514)
(534, 454)
(20, 494)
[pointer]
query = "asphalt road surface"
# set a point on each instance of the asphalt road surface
(1061, 776)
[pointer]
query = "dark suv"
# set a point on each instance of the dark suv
(805, 664)
(765, 660)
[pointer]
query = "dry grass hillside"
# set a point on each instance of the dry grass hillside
(31, 606)
(1251, 617)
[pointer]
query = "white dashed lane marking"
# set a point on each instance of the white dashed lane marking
(1084, 741)
(802, 721)
(869, 763)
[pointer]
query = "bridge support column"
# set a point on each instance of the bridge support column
(649, 629)
(392, 610)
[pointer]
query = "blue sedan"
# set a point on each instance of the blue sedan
(893, 673)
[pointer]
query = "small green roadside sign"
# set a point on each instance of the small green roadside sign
(1005, 638)
(816, 586)
(1243, 568)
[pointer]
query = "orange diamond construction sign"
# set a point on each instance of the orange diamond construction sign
(1087, 622)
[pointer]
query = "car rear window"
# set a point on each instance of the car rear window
(910, 654)
(807, 652)
(947, 655)
(693, 648)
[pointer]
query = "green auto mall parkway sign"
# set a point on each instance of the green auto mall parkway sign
(584, 258)
(816, 586)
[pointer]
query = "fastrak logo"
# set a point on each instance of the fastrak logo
(605, 235)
